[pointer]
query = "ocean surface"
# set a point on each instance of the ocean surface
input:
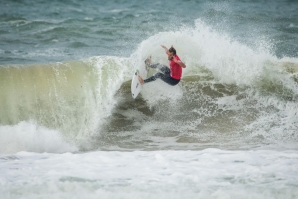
(69, 127)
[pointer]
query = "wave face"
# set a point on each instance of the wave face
(72, 97)
(231, 96)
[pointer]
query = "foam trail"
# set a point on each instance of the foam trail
(209, 173)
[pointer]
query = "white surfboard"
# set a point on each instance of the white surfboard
(136, 86)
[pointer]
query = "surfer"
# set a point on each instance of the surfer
(170, 75)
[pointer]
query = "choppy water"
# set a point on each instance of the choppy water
(65, 100)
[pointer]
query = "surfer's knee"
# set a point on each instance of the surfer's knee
(154, 65)
(161, 67)
(158, 75)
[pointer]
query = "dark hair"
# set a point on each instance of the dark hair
(172, 50)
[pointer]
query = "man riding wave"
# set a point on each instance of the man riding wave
(170, 75)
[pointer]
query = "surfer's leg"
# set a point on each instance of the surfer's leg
(154, 77)
(161, 67)
(158, 65)
(164, 77)
(167, 76)
(165, 69)
(168, 79)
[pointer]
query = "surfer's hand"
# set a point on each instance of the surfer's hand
(175, 60)
(166, 49)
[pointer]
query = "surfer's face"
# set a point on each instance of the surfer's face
(170, 56)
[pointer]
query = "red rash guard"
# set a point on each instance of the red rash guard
(176, 69)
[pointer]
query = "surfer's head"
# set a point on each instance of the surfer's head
(172, 50)
(172, 53)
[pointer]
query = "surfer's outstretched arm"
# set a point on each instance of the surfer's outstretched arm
(166, 49)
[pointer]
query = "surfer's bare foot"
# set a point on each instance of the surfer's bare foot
(141, 80)
(148, 61)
